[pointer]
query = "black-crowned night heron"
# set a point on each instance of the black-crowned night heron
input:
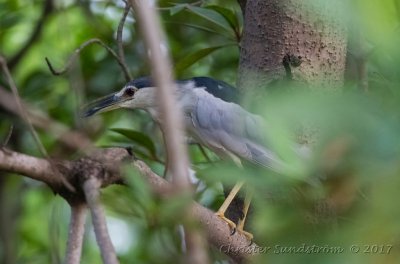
(211, 116)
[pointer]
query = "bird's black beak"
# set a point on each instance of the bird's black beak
(100, 105)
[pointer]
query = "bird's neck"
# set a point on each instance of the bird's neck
(185, 102)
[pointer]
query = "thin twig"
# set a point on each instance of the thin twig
(121, 53)
(35, 35)
(78, 51)
(91, 188)
(22, 110)
(9, 134)
(172, 125)
(75, 234)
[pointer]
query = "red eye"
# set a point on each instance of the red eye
(129, 91)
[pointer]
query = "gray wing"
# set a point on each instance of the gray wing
(226, 127)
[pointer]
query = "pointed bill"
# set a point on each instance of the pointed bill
(101, 105)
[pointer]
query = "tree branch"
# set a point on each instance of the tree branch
(121, 54)
(32, 167)
(109, 161)
(218, 232)
(91, 189)
(172, 118)
(76, 53)
(75, 233)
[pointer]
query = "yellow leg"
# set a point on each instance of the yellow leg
(241, 223)
(221, 211)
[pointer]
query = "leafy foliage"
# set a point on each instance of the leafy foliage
(344, 194)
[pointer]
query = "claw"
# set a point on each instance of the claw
(241, 216)
(231, 224)
(235, 228)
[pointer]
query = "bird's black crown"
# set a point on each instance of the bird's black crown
(215, 87)
(141, 82)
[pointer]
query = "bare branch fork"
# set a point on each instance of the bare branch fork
(77, 52)
(107, 163)
(120, 57)
(90, 188)
(61, 185)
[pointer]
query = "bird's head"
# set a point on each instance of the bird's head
(136, 94)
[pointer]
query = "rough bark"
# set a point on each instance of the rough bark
(311, 29)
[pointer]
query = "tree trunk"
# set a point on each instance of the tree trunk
(314, 30)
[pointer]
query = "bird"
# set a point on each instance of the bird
(213, 117)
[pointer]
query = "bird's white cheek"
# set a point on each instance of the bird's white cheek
(128, 104)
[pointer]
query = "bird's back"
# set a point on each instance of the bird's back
(224, 126)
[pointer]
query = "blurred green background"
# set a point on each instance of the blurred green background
(343, 195)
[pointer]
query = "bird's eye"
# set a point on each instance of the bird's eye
(130, 91)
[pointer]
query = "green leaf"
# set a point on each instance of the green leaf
(139, 138)
(198, 27)
(228, 14)
(212, 16)
(173, 207)
(192, 58)
(176, 9)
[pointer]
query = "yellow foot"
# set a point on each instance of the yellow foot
(231, 224)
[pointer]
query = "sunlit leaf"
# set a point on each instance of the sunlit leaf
(228, 14)
(212, 16)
